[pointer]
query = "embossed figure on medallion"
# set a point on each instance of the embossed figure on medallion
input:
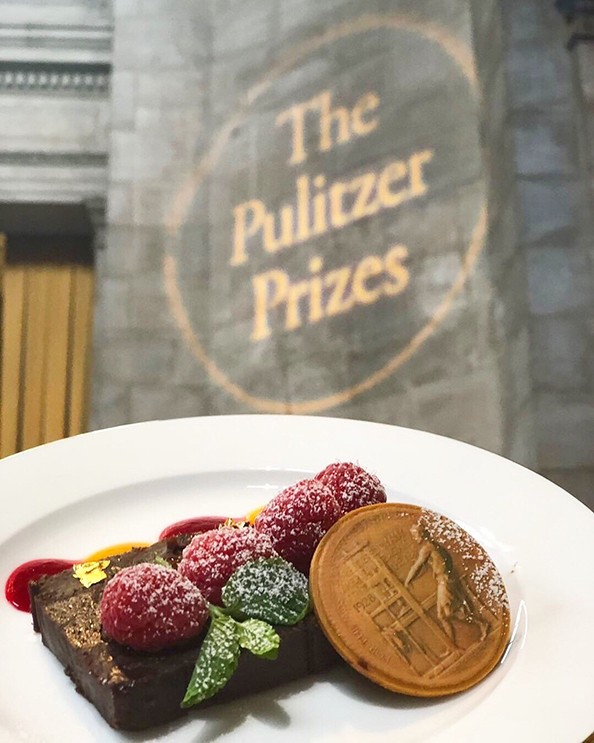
(454, 600)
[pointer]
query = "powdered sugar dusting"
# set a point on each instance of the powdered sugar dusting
(352, 486)
(211, 558)
(149, 607)
(286, 583)
(270, 589)
(297, 518)
(478, 569)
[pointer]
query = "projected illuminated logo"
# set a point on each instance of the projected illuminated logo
(300, 244)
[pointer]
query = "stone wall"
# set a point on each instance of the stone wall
(506, 265)
(550, 123)
(176, 331)
(507, 365)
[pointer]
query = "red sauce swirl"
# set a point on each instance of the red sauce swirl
(17, 585)
(197, 525)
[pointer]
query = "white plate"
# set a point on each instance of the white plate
(72, 497)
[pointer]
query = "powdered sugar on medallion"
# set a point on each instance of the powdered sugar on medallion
(478, 570)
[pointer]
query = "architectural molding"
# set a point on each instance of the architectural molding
(58, 43)
(54, 77)
(39, 177)
(53, 191)
(54, 159)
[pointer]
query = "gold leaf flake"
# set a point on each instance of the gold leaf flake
(233, 524)
(89, 573)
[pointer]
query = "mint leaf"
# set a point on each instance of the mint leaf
(217, 611)
(259, 638)
(270, 589)
(217, 661)
(159, 560)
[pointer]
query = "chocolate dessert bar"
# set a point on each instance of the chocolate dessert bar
(134, 690)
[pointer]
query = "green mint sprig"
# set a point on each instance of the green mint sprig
(270, 589)
(160, 560)
(260, 638)
(219, 654)
(259, 594)
(217, 661)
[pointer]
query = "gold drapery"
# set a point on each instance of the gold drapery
(45, 337)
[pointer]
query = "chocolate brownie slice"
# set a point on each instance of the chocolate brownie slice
(133, 690)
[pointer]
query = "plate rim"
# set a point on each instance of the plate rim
(48, 461)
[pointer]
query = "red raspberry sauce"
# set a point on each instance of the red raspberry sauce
(197, 525)
(17, 585)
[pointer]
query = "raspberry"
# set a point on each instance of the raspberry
(151, 607)
(212, 557)
(352, 486)
(297, 518)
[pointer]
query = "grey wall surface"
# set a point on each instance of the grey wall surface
(550, 121)
(175, 319)
(505, 261)
(508, 365)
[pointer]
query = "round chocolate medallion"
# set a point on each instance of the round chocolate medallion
(410, 599)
